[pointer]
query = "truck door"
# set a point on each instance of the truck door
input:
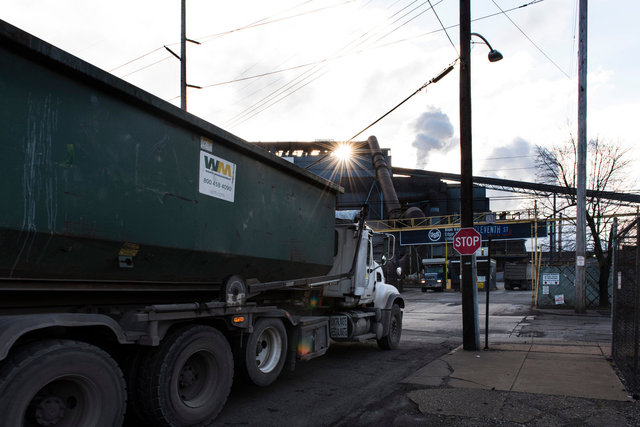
(371, 270)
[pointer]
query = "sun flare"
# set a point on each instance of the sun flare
(343, 152)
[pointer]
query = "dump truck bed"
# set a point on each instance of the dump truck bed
(105, 185)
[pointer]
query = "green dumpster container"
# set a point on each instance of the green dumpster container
(102, 181)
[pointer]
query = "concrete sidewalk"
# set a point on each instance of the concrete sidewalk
(554, 370)
(570, 369)
(524, 384)
(550, 368)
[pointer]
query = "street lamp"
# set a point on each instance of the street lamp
(470, 330)
(494, 55)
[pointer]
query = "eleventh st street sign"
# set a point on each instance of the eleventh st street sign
(495, 232)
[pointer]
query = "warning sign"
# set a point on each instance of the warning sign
(550, 279)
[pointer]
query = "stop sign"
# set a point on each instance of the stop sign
(467, 241)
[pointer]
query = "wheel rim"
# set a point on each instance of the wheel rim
(395, 329)
(197, 380)
(66, 401)
(268, 350)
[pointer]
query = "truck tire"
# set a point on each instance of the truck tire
(265, 352)
(61, 382)
(131, 364)
(187, 379)
(392, 339)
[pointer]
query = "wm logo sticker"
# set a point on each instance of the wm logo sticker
(218, 166)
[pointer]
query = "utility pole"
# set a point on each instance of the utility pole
(183, 56)
(470, 331)
(552, 234)
(581, 202)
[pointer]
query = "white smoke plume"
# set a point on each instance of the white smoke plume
(434, 131)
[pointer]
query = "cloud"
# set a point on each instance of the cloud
(515, 160)
(433, 132)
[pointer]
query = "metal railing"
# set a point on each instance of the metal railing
(445, 221)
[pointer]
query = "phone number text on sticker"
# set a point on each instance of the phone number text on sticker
(217, 177)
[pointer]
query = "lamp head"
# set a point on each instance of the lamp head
(495, 56)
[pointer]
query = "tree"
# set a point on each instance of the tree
(608, 165)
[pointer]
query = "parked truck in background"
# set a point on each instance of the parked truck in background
(148, 258)
(517, 275)
(434, 274)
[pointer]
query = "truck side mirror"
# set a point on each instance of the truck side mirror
(389, 247)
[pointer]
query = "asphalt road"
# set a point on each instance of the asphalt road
(344, 385)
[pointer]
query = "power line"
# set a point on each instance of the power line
(491, 15)
(508, 157)
(294, 85)
(433, 80)
(444, 29)
(208, 38)
(259, 23)
(146, 66)
(211, 37)
(270, 73)
(530, 40)
(408, 21)
(292, 89)
(310, 64)
(136, 59)
(295, 88)
(333, 58)
(507, 169)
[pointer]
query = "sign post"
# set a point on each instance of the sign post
(466, 242)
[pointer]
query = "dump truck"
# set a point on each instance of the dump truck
(434, 274)
(517, 275)
(148, 257)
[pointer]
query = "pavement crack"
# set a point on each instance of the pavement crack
(516, 331)
(463, 380)
(519, 369)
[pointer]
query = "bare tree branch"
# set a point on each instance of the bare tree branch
(608, 168)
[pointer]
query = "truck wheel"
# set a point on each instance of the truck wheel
(265, 351)
(392, 339)
(187, 379)
(132, 363)
(61, 382)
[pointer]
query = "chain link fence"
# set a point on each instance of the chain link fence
(563, 292)
(626, 305)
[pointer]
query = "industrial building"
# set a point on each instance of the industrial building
(357, 176)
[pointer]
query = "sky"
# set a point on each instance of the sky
(329, 68)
